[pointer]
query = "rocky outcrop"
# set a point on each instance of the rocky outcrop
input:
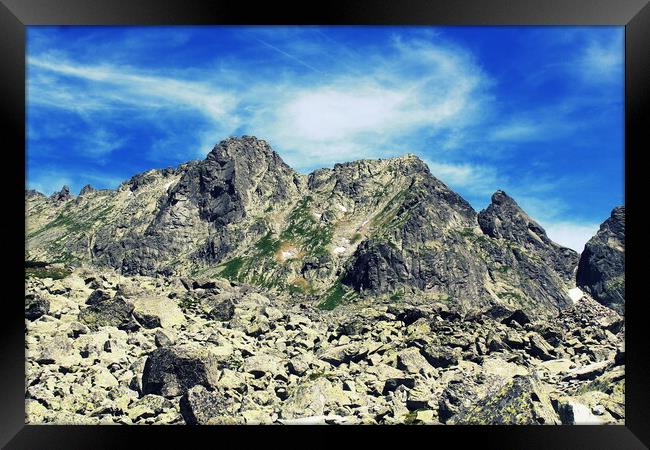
(33, 193)
(87, 189)
(62, 195)
(35, 306)
(601, 270)
(504, 219)
(171, 372)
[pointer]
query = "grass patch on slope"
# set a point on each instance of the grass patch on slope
(304, 230)
(54, 273)
(336, 295)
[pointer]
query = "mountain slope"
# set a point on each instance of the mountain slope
(601, 271)
(364, 228)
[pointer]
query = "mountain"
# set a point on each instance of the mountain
(361, 229)
(234, 290)
(601, 270)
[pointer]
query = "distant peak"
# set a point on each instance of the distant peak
(500, 197)
(62, 195)
(618, 212)
(86, 189)
(241, 147)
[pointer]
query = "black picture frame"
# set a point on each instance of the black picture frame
(15, 15)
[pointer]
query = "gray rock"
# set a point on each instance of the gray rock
(601, 270)
(171, 371)
(87, 189)
(98, 296)
(343, 354)
(439, 356)
(393, 383)
(62, 195)
(223, 310)
(523, 400)
(115, 312)
(199, 406)
(35, 306)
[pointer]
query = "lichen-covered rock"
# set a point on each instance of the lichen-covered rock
(35, 306)
(524, 400)
(601, 270)
(362, 363)
(199, 406)
(313, 398)
(439, 356)
(154, 312)
(115, 312)
(171, 371)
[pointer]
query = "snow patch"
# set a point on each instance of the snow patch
(288, 254)
(339, 250)
(575, 294)
(342, 208)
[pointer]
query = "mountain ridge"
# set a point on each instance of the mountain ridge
(366, 227)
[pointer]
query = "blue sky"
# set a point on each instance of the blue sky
(535, 111)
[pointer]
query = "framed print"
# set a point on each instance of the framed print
(269, 221)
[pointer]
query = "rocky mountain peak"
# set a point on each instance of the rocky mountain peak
(504, 218)
(601, 270)
(501, 198)
(33, 193)
(87, 189)
(244, 148)
(615, 224)
(62, 195)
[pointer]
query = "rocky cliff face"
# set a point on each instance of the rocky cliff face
(601, 270)
(364, 228)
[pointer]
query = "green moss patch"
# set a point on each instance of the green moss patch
(54, 273)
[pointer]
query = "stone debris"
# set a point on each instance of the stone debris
(354, 365)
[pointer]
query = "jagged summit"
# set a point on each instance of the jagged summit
(87, 189)
(62, 195)
(246, 147)
(33, 193)
(504, 218)
(501, 198)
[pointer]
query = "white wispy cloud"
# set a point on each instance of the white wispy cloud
(49, 183)
(122, 86)
(516, 131)
(602, 61)
(374, 114)
(570, 234)
(476, 180)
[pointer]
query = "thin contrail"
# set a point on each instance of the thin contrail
(290, 56)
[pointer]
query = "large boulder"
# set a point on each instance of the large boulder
(154, 312)
(199, 406)
(171, 371)
(115, 312)
(522, 401)
(439, 356)
(345, 353)
(601, 271)
(35, 306)
(313, 398)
